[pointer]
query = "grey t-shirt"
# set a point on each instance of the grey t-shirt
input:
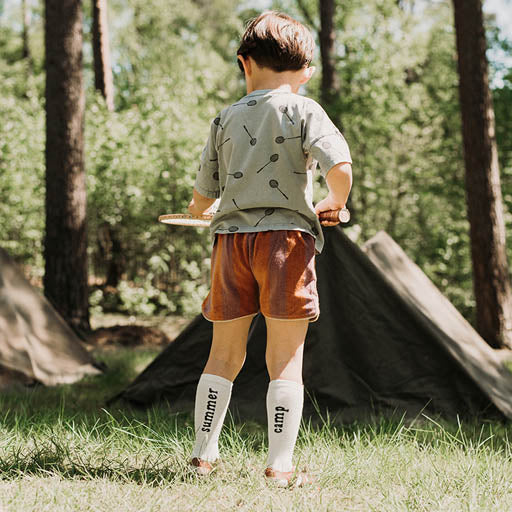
(260, 159)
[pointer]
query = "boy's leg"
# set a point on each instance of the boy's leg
(227, 356)
(285, 396)
(229, 344)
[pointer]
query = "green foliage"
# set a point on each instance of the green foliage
(21, 156)
(399, 111)
(171, 80)
(142, 159)
(502, 97)
(174, 69)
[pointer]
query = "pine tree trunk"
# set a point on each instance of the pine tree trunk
(25, 13)
(112, 254)
(483, 190)
(65, 244)
(327, 36)
(101, 51)
(330, 85)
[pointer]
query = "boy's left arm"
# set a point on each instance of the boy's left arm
(207, 187)
(199, 204)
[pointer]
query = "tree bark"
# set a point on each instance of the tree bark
(330, 84)
(25, 13)
(483, 190)
(65, 244)
(112, 254)
(101, 51)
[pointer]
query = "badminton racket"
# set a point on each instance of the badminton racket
(203, 221)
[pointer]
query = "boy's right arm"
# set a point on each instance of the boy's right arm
(324, 142)
(339, 183)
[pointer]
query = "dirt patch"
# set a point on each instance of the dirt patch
(170, 325)
(128, 336)
(112, 330)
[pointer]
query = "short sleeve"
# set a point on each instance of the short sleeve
(322, 140)
(207, 179)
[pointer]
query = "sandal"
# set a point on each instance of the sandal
(201, 467)
(287, 478)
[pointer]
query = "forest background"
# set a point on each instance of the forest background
(174, 68)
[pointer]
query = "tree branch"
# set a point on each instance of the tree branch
(307, 15)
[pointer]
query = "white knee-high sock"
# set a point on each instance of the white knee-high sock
(212, 400)
(285, 400)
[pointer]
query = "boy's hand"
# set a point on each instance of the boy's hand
(193, 209)
(328, 203)
(201, 205)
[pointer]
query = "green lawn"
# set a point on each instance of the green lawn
(60, 450)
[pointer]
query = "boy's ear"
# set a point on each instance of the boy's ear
(246, 64)
(307, 74)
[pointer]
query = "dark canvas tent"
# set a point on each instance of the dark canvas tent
(386, 341)
(35, 342)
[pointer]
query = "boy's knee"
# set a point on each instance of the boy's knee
(232, 358)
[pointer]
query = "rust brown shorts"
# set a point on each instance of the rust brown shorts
(268, 271)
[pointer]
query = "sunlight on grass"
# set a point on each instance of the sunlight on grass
(61, 449)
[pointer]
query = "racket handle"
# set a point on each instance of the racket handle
(341, 215)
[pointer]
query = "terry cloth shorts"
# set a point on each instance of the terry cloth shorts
(268, 271)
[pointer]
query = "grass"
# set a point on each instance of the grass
(60, 450)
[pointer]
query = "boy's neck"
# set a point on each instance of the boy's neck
(268, 79)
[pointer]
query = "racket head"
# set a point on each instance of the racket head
(186, 219)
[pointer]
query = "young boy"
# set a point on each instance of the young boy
(259, 160)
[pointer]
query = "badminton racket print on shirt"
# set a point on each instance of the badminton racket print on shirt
(252, 140)
(217, 122)
(249, 103)
(273, 158)
(268, 212)
(284, 110)
(280, 139)
(275, 184)
(222, 143)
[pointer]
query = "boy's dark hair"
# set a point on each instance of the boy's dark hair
(277, 41)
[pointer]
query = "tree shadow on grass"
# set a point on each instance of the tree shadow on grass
(45, 468)
(66, 431)
(153, 450)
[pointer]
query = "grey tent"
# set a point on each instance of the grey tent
(35, 342)
(387, 342)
